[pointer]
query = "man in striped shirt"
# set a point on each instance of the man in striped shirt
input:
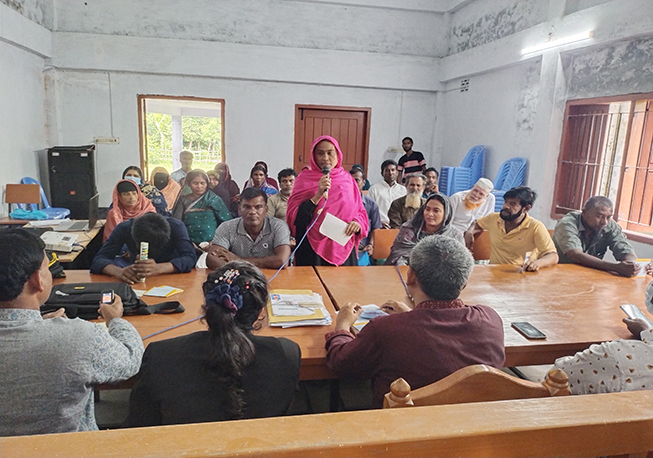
(411, 162)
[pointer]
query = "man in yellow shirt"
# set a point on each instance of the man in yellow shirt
(514, 233)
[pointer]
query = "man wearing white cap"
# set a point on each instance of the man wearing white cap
(468, 206)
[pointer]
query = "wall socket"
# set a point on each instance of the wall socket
(106, 140)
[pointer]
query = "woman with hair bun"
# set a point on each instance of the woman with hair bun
(224, 373)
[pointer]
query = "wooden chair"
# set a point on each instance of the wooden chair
(481, 249)
(21, 194)
(383, 239)
(477, 383)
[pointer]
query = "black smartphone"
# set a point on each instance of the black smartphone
(107, 296)
(528, 330)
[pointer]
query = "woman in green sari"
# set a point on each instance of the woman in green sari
(201, 210)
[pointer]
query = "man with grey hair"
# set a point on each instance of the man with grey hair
(468, 206)
(434, 336)
(186, 160)
(403, 208)
(583, 237)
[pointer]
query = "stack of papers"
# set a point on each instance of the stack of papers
(163, 291)
(295, 307)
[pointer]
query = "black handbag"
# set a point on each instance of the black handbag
(82, 300)
(56, 269)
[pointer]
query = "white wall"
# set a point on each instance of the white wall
(516, 103)
(23, 46)
(259, 116)
(95, 80)
(293, 24)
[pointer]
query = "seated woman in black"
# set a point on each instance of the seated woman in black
(224, 373)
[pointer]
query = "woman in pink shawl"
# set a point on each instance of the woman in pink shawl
(343, 201)
(128, 202)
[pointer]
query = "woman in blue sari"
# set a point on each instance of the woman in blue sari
(258, 179)
(201, 210)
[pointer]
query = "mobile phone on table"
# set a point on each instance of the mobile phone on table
(108, 296)
(528, 330)
(634, 312)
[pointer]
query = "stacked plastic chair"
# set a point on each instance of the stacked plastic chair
(472, 167)
(52, 212)
(511, 173)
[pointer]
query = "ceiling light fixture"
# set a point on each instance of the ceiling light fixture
(558, 42)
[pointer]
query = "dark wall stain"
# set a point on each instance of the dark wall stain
(492, 26)
(572, 6)
(39, 11)
(526, 109)
(620, 68)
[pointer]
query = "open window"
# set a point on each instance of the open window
(169, 125)
(607, 150)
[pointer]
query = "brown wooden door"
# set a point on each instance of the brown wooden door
(350, 126)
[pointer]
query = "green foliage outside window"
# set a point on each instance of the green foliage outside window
(202, 136)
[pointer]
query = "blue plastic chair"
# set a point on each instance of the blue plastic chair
(52, 212)
(463, 177)
(511, 173)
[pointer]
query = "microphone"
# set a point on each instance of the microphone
(326, 171)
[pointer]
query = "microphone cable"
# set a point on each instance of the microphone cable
(300, 242)
(273, 277)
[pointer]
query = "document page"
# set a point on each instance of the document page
(334, 228)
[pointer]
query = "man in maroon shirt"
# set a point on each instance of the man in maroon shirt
(426, 341)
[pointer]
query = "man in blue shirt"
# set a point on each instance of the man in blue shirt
(372, 210)
(170, 249)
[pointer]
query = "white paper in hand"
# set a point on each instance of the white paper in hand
(334, 228)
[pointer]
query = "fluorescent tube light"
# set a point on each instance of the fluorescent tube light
(558, 42)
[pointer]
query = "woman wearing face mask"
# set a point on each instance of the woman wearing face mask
(433, 218)
(149, 191)
(201, 210)
(161, 180)
(128, 202)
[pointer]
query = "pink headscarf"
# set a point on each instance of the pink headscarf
(118, 213)
(344, 201)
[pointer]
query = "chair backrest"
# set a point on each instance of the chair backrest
(511, 173)
(481, 249)
(472, 167)
(475, 160)
(477, 383)
(383, 239)
(44, 199)
(21, 194)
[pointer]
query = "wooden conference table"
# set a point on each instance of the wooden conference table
(309, 338)
(574, 306)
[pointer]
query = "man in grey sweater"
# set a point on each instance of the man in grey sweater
(50, 363)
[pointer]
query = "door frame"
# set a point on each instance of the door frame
(299, 112)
